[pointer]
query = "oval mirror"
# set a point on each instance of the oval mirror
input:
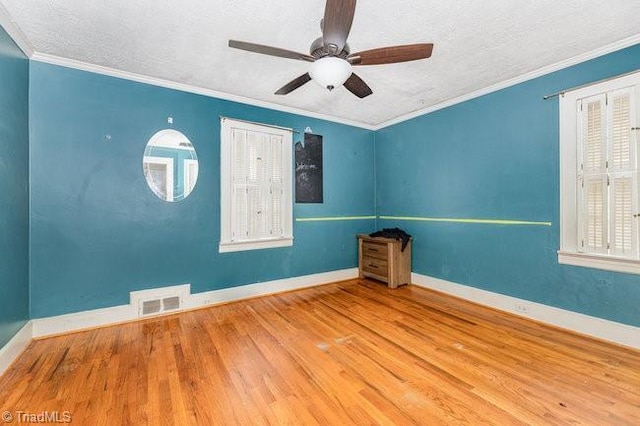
(170, 165)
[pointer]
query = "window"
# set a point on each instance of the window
(599, 175)
(256, 186)
(159, 174)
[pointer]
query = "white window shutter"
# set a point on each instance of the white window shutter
(255, 172)
(593, 134)
(622, 163)
(240, 167)
(239, 153)
(254, 209)
(276, 216)
(240, 219)
(275, 186)
(256, 186)
(623, 224)
(594, 215)
(276, 160)
(621, 152)
(254, 157)
(609, 185)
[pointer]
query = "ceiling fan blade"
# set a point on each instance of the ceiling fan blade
(357, 86)
(271, 51)
(294, 84)
(392, 54)
(338, 17)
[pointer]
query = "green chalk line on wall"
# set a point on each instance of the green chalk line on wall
(456, 220)
(335, 218)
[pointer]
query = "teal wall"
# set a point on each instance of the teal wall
(14, 188)
(98, 231)
(496, 157)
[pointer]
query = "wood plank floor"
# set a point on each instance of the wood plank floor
(353, 352)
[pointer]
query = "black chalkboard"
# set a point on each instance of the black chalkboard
(309, 169)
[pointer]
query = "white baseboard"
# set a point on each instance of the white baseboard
(622, 334)
(18, 343)
(117, 314)
(82, 320)
(269, 287)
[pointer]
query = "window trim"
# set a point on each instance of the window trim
(186, 164)
(608, 263)
(568, 253)
(226, 243)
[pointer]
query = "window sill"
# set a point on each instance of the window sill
(228, 247)
(628, 266)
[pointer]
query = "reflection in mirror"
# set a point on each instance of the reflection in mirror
(170, 165)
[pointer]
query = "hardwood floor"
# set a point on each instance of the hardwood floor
(353, 352)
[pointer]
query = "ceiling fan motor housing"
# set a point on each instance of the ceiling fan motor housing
(317, 50)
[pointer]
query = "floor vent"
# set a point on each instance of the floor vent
(159, 301)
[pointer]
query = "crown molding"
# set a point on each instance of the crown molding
(618, 45)
(139, 78)
(14, 31)
(20, 39)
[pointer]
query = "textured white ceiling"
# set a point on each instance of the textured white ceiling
(477, 44)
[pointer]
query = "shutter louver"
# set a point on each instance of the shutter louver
(240, 230)
(275, 191)
(240, 156)
(621, 131)
(594, 153)
(254, 158)
(595, 215)
(276, 213)
(239, 196)
(622, 215)
(276, 160)
(254, 213)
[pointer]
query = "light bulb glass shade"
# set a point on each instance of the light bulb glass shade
(330, 72)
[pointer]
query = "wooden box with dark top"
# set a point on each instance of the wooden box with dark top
(383, 259)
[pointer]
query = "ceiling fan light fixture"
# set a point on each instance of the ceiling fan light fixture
(330, 72)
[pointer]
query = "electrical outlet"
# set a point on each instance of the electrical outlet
(522, 308)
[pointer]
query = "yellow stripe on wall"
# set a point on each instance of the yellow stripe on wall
(334, 218)
(456, 220)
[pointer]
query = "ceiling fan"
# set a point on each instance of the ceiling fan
(330, 56)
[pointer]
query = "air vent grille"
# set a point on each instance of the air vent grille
(151, 307)
(171, 303)
(157, 301)
(159, 306)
